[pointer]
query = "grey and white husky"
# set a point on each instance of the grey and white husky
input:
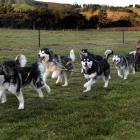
(124, 64)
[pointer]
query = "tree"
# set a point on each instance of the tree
(93, 22)
(73, 20)
(102, 18)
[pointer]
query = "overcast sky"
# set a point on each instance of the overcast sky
(102, 2)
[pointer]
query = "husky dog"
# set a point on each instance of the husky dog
(85, 52)
(15, 74)
(93, 68)
(57, 66)
(124, 64)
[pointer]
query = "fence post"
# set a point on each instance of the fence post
(123, 37)
(39, 37)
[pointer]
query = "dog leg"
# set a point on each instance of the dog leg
(106, 83)
(59, 79)
(3, 98)
(48, 88)
(126, 72)
(87, 89)
(90, 82)
(21, 100)
(66, 80)
(44, 77)
(133, 70)
(39, 91)
(88, 85)
(106, 80)
(13, 90)
(119, 73)
(55, 74)
(2, 94)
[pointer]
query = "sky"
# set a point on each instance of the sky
(101, 2)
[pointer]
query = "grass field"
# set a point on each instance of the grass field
(69, 114)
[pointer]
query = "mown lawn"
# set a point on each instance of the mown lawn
(69, 114)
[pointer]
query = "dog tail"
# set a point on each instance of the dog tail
(108, 53)
(21, 60)
(72, 55)
(133, 53)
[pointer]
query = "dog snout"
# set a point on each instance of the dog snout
(85, 64)
(114, 61)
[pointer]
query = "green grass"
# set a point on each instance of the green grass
(68, 114)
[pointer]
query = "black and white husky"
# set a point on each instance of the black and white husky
(57, 66)
(92, 68)
(124, 64)
(15, 74)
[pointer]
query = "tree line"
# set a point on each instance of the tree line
(67, 18)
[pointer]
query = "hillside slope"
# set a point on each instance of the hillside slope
(113, 13)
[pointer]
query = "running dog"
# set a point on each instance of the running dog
(124, 64)
(57, 66)
(15, 74)
(92, 68)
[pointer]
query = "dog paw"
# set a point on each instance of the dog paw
(121, 76)
(49, 90)
(133, 72)
(88, 89)
(57, 84)
(125, 79)
(85, 85)
(65, 85)
(106, 86)
(85, 91)
(21, 107)
(3, 101)
(41, 96)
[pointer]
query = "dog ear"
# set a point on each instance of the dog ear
(84, 50)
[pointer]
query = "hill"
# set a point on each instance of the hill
(88, 16)
(114, 14)
(23, 5)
